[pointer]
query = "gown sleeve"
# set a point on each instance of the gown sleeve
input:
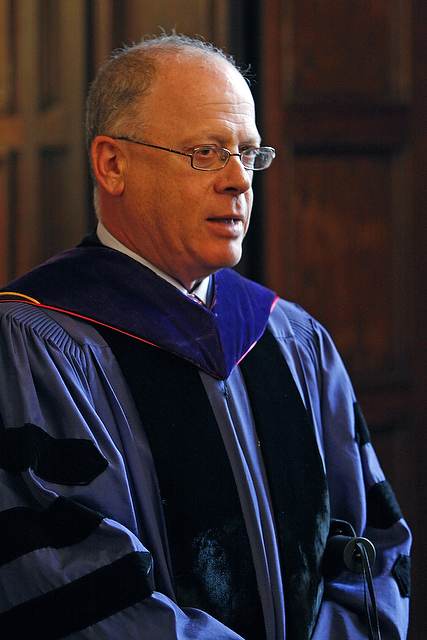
(361, 496)
(71, 562)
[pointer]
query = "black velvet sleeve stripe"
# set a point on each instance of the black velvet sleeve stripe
(362, 432)
(67, 461)
(402, 572)
(62, 524)
(81, 603)
(383, 508)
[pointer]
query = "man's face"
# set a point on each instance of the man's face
(189, 223)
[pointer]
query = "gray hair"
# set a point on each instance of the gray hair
(114, 101)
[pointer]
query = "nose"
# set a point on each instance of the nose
(234, 177)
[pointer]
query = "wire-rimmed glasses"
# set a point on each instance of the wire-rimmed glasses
(211, 158)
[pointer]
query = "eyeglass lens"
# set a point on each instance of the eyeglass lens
(206, 158)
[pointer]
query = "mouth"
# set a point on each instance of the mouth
(227, 228)
(232, 227)
(228, 221)
(232, 220)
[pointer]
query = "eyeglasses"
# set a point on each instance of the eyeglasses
(209, 158)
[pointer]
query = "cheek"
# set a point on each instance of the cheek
(249, 201)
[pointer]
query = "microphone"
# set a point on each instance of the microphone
(343, 549)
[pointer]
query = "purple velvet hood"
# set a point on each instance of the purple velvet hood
(107, 287)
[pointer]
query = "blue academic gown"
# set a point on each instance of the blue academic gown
(58, 374)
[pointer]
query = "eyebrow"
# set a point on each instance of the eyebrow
(218, 140)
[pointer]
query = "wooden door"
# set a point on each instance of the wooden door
(43, 183)
(208, 19)
(344, 89)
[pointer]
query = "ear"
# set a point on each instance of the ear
(108, 163)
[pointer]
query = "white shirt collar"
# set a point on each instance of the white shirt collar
(201, 291)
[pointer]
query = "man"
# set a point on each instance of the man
(173, 469)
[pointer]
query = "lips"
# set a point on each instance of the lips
(231, 221)
(232, 228)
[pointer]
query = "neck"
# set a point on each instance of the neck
(198, 287)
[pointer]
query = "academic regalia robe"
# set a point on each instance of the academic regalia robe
(73, 429)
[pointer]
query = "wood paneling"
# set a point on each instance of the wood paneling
(206, 18)
(348, 50)
(49, 70)
(7, 180)
(347, 230)
(338, 211)
(345, 210)
(6, 57)
(43, 83)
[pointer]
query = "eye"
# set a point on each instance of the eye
(207, 157)
(250, 151)
(205, 152)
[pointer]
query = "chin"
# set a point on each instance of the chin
(235, 258)
(227, 265)
(217, 262)
(230, 260)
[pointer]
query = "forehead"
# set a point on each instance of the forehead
(200, 94)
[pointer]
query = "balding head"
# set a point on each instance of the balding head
(116, 96)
